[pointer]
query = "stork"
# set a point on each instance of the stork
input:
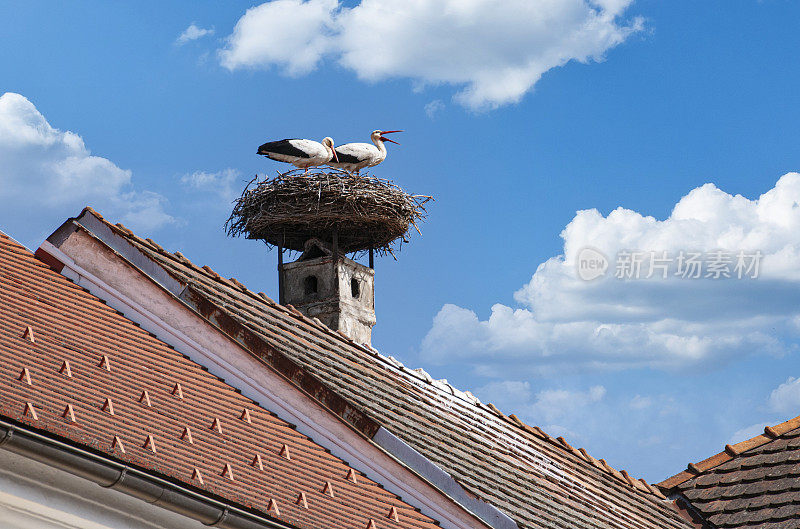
(300, 153)
(356, 156)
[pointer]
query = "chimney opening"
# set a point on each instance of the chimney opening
(355, 288)
(310, 285)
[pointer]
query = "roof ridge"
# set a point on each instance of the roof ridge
(622, 476)
(730, 452)
(231, 282)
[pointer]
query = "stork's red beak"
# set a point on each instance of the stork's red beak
(335, 156)
(383, 138)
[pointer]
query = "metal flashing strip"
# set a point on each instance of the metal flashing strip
(490, 514)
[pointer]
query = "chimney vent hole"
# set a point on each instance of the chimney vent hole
(310, 285)
(355, 288)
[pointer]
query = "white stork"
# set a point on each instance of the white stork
(356, 156)
(300, 153)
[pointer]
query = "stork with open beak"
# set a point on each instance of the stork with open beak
(357, 156)
(300, 153)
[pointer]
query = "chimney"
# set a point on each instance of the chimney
(326, 215)
(323, 284)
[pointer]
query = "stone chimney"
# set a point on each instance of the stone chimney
(331, 287)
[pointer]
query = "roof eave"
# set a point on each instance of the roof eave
(129, 480)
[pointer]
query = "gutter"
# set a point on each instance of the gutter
(134, 482)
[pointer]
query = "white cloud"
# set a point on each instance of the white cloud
(433, 108)
(566, 323)
(786, 397)
(494, 52)
(193, 32)
(222, 184)
(46, 171)
(292, 34)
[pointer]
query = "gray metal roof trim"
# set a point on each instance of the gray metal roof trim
(128, 480)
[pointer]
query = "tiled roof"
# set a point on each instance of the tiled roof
(80, 371)
(538, 480)
(755, 483)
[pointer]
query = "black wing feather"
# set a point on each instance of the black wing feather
(281, 147)
(346, 158)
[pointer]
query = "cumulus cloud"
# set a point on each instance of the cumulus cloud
(563, 322)
(46, 171)
(291, 34)
(220, 184)
(494, 52)
(786, 397)
(193, 32)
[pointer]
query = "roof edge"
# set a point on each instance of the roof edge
(285, 366)
(728, 453)
(129, 480)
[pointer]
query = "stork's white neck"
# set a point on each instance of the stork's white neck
(381, 147)
(328, 151)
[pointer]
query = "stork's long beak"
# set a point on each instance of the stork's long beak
(335, 156)
(384, 138)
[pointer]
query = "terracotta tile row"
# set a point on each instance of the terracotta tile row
(80, 371)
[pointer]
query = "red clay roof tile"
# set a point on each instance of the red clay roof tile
(110, 358)
(750, 484)
(65, 370)
(303, 502)
(186, 435)
(69, 413)
(116, 443)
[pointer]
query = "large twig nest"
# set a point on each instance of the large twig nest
(365, 212)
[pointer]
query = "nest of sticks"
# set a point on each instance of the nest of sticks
(360, 211)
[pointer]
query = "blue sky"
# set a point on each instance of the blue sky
(655, 100)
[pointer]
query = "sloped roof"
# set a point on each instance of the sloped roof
(538, 480)
(754, 483)
(78, 370)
